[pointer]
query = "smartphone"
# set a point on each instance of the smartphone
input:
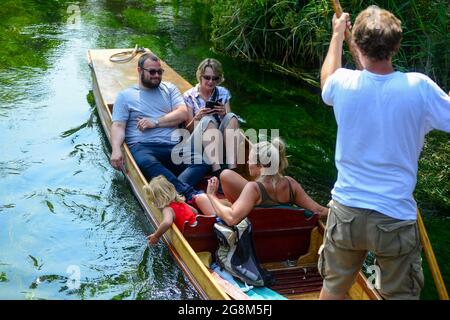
(212, 104)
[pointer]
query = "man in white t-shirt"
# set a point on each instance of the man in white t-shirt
(382, 116)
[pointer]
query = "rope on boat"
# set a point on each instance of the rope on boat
(125, 56)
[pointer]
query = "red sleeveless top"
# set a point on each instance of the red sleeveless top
(183, 213)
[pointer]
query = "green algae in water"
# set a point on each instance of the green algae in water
(141, 21)
(3, 277)
(50, 206)
(22, 46)
(35, 262)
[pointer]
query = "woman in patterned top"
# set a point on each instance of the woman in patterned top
(209, 108)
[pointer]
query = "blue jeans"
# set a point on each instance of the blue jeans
(154, 159)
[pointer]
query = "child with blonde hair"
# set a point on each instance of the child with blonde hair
(165, 197)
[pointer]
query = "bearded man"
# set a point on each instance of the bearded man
(147, 116)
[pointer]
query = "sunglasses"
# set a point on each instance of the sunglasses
(154, 71)
(207, 78)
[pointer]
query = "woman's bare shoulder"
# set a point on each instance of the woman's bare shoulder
(291, 180)
(295, 185)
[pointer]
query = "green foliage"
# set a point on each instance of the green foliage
(140, 20)
(21, 46)
(276, 31)
(202, 16)
(433, 188)
(295, 34)
(437, 228)
(32, 10)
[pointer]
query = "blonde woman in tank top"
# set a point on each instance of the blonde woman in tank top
(270, 187)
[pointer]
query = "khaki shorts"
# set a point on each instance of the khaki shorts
(351, 233)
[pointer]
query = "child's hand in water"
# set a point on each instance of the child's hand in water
(213, 186)
(152, 239)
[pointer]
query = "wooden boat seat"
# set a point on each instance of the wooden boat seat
(280, 233)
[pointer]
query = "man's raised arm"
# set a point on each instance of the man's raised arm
(333, 60)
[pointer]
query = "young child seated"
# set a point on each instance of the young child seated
(164, 196)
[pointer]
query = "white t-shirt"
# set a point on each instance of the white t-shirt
(382, 121)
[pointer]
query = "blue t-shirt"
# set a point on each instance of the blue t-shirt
(382, 121)
(134, 102)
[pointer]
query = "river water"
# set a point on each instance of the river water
(70, 227)
(64, 211)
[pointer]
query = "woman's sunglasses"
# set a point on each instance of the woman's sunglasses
(207, 78)
(154, 71)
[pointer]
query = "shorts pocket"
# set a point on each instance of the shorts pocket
(396, 239)
(321, 262)
(340, 231)
(417, 279)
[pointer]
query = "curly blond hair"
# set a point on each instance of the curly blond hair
(161, 192)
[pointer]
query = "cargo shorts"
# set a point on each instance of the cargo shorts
(352, 232)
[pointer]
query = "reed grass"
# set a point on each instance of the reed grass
(295, 34)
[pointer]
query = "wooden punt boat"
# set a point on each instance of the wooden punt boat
(286, 239)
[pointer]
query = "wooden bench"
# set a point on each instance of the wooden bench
(280, 233)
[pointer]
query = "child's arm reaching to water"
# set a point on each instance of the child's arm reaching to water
(168, 217)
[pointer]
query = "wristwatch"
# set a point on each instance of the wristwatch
(156, 122)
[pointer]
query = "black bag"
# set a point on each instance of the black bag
(236, 253)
